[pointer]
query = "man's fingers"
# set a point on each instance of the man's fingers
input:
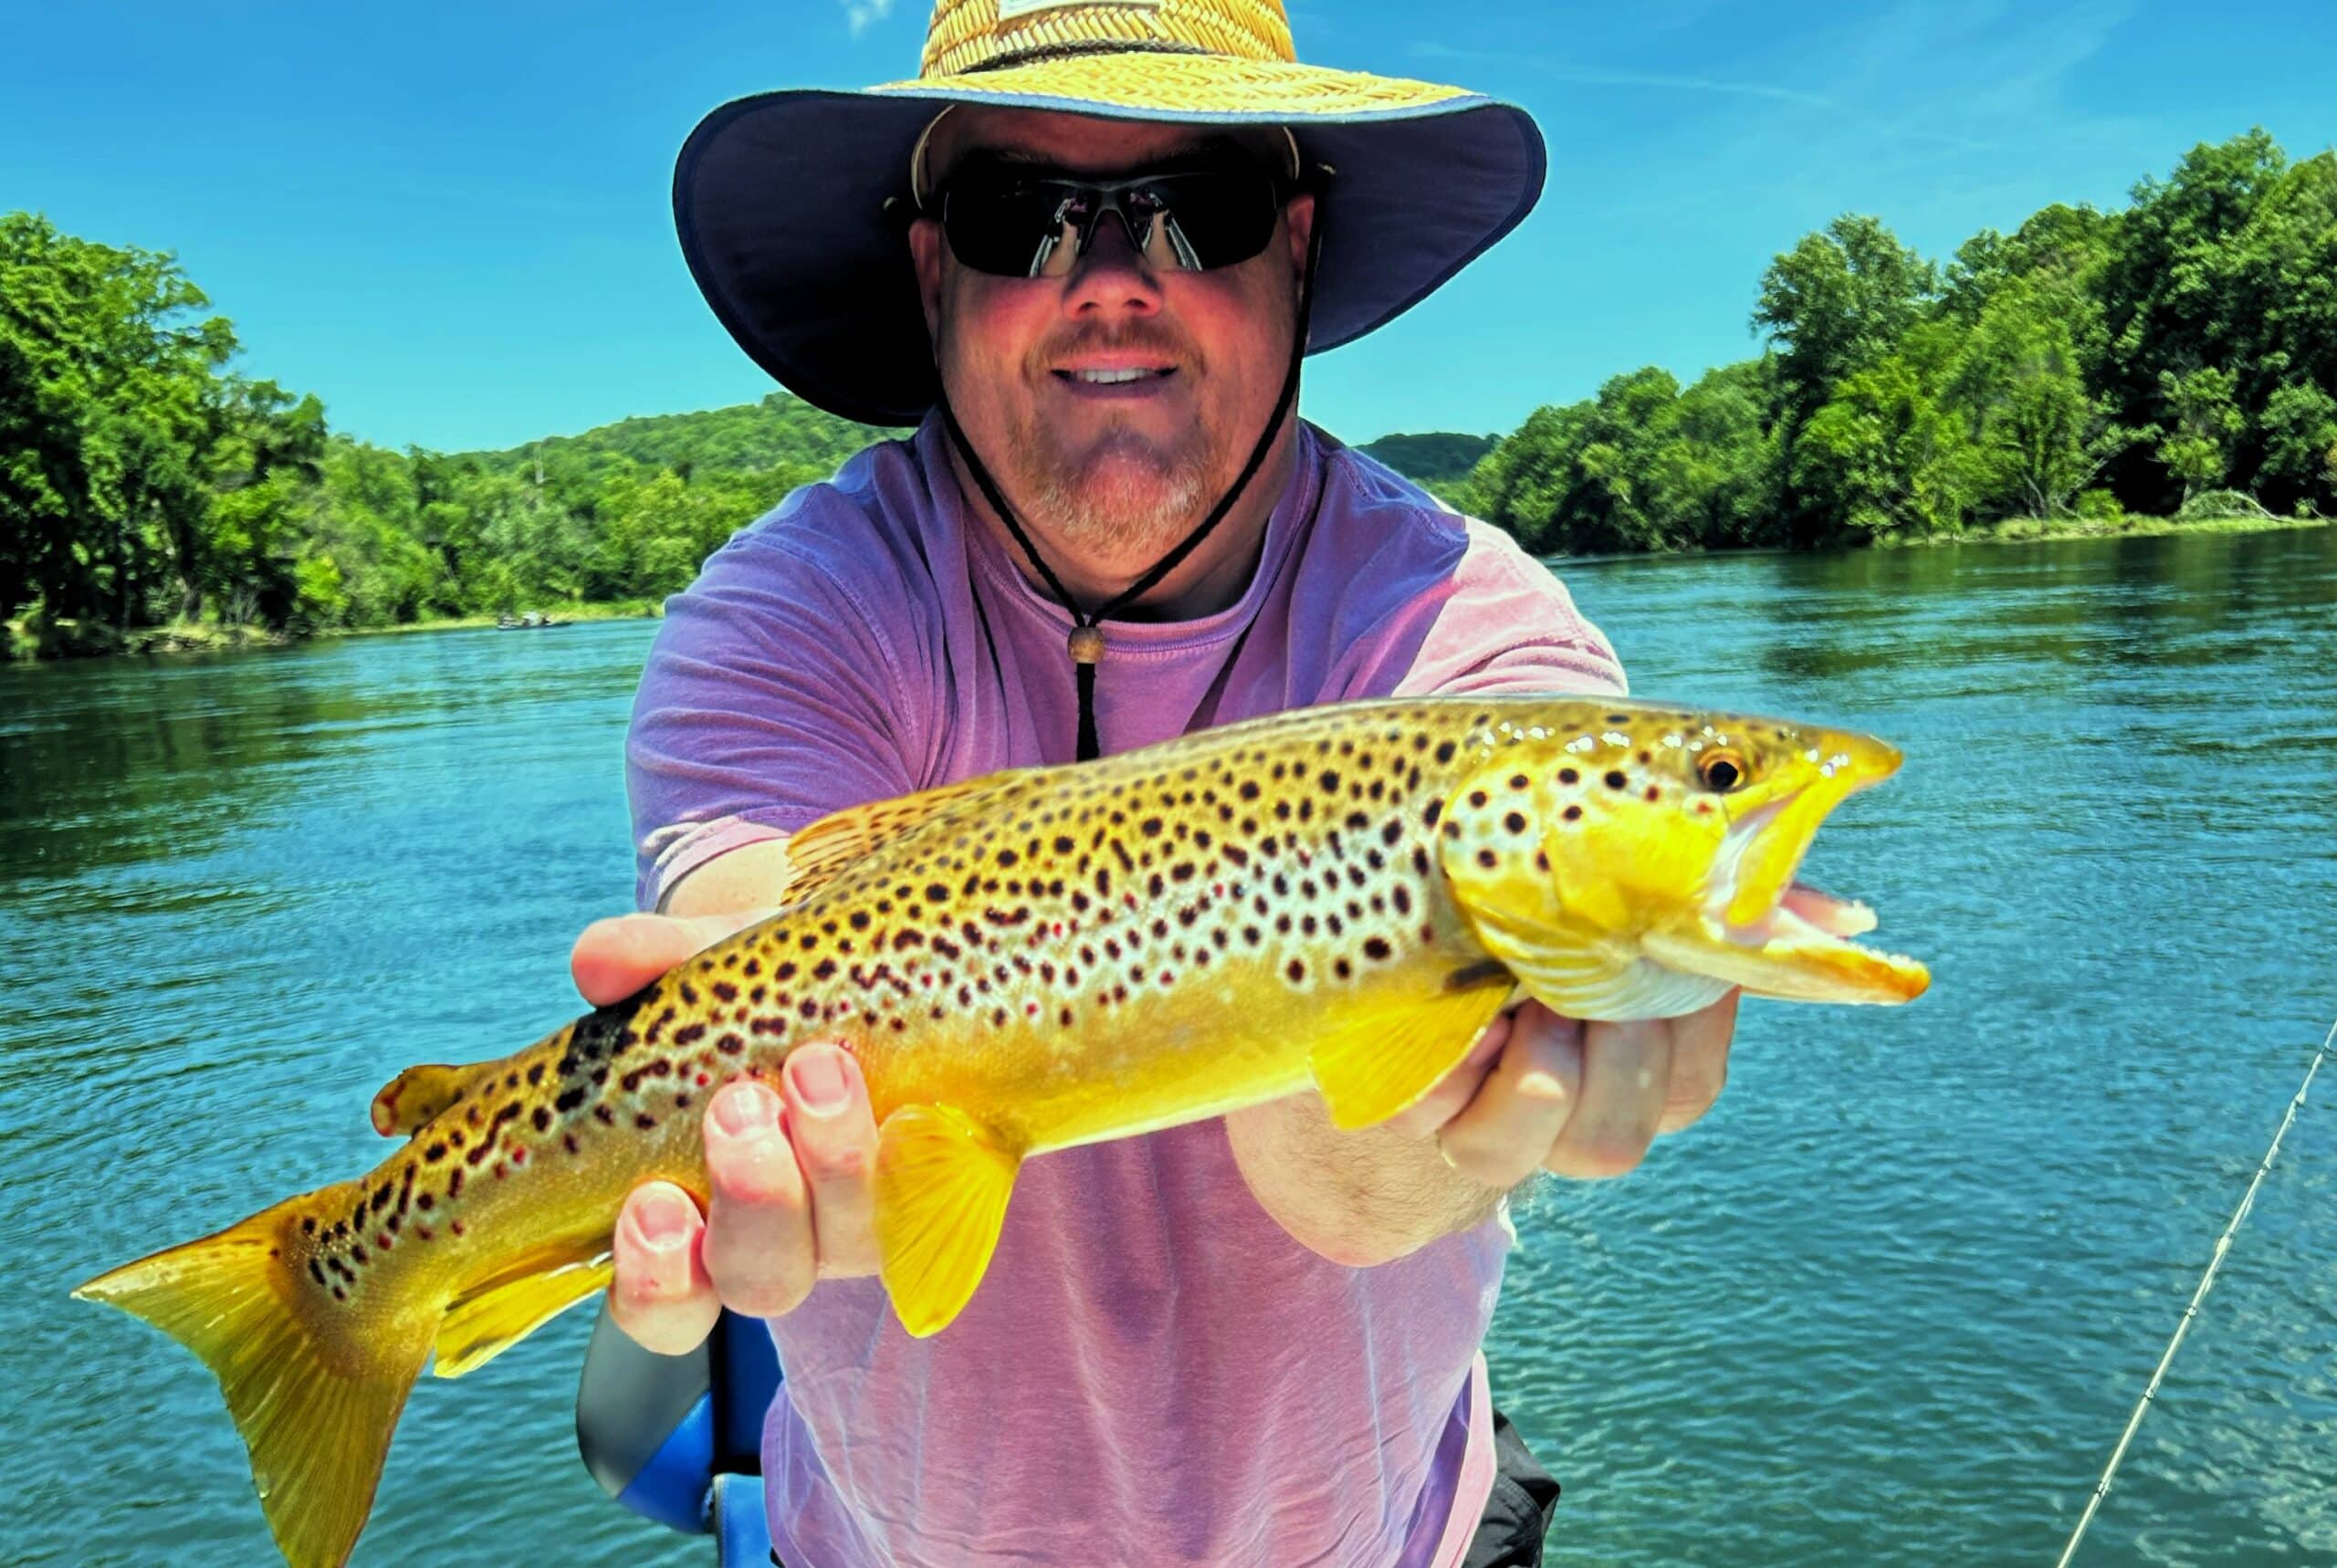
(661, 1296)
(758, 1226)
(835, 1145)
(1444, 1102)
(1626, 1077)
(1508, 1130)
(617, 956)
(1699, 1062)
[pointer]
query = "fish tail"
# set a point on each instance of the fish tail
(315, 1383)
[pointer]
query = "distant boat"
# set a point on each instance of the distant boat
(530, 622)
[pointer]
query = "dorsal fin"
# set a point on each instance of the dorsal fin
(413, 1098)
(820, 852)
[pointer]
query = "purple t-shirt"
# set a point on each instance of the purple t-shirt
(1152, 1369)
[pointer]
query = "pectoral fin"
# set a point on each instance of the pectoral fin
(942, 1183)
(1371, 1069)
(1579, 974)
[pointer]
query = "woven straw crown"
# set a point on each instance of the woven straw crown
(982, 34)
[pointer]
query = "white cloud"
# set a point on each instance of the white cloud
(863, 14)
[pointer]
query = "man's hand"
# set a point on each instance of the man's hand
(1546, 1093)
(1538, 1092)
(788, 1170)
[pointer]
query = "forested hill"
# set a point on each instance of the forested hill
(779, 433)
(1438, 457)
(2179, 353)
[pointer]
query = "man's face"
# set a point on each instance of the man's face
(1120, 470)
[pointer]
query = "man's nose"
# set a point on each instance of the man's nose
(1112, 273)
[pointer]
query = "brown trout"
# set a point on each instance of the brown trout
(1339, 898)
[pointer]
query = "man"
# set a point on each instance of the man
(1086, 251)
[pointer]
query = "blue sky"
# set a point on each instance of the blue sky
(452, 222)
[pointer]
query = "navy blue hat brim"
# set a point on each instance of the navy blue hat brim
(780, 201)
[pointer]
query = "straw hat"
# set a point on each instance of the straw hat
(780, 198)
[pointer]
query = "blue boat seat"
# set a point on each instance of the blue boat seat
(678, 1438)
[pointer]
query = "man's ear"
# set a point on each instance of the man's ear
(924, 250)
(1298, 223)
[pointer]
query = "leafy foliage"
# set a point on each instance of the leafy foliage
(143, 480)
(2089, 361)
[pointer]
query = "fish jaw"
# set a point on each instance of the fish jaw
(1759, 928)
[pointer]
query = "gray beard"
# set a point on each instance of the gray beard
(1124, 503)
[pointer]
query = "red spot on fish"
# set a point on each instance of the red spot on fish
(456, 1225)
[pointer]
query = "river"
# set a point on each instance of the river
(1890, 1301)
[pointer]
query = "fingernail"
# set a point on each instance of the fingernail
(661, 1217)
(817, 1073)
(1540, 1085)
(745, 1107)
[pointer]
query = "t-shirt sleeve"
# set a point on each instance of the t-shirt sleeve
(1499, 622)
(768, 700)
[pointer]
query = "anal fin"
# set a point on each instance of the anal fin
(942, 1183)
(483, 1324)
(1372, 1067)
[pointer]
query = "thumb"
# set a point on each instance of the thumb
(617, 956)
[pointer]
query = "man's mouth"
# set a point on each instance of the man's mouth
(1115, 382)
(1113, 378)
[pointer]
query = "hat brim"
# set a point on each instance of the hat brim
(779, 200)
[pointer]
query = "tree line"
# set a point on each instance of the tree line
(2088, 363)
(145, 479)
(2179, 352)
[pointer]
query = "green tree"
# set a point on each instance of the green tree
(103, 367)
(2202, 422)
(2039, 434)
(1886, 457)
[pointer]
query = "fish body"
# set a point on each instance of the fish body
(1339, 898)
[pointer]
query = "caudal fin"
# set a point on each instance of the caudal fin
(315, 1384)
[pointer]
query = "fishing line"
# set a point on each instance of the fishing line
(2206, 1281)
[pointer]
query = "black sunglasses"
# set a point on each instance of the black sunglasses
(1011, 221)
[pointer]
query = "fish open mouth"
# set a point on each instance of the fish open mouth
(1762, 928)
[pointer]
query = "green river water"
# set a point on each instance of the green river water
(1890, 1302)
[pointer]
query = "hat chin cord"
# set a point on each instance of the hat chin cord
(1085, 643)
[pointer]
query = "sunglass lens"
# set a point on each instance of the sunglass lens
(1210, 220)
(1009, 227)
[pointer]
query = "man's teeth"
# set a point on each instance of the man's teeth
(1111, 378)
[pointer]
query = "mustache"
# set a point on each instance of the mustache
(1129, 338)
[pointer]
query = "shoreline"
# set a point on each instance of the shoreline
(103, 643)
(2010, 531)
(181, 638)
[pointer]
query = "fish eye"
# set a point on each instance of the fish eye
(1721, 772)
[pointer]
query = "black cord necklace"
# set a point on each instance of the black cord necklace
(1086, 645)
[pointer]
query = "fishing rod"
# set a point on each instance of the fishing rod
(2207, 1281)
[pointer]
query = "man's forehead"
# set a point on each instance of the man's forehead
(1083, 143)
